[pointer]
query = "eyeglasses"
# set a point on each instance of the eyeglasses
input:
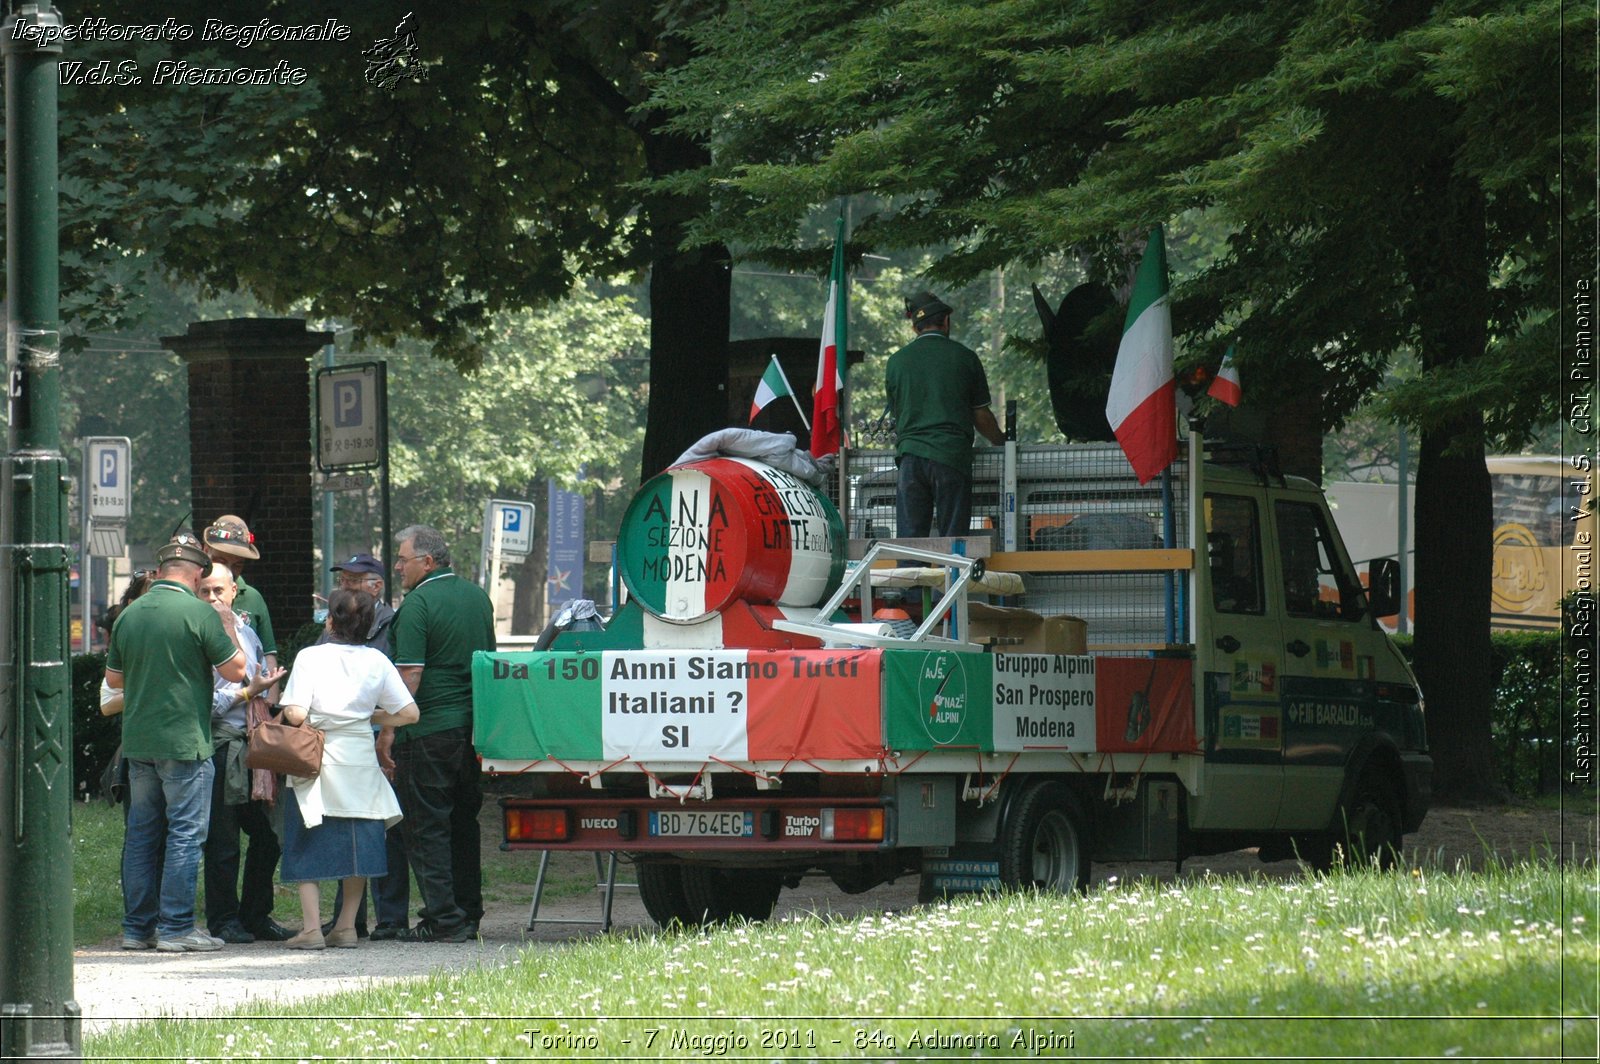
(401, 562)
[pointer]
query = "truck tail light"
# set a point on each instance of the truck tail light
(852, 825)
(537, 825)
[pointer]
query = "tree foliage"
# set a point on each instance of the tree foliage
(422, 209)
(559, 395)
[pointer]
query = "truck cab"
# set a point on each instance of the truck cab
(1308, 706)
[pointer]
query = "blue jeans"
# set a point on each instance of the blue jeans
(391, 894)
(169, 807)
(925, 486)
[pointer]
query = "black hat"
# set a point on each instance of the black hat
(360, 563)
(925, 307)
(184, 548)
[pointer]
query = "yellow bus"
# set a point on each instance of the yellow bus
(1544, 533)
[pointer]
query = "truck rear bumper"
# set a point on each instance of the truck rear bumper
(751, 824)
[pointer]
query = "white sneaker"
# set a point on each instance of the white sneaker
(196, 941)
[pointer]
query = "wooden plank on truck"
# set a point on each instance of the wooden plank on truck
(1092, 561)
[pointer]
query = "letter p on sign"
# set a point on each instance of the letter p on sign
(347, 404)
(108, 468)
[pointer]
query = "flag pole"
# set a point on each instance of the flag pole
(842, 338)
(793, 398)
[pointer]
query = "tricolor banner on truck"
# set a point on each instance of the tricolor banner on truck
(731, 705)
(765, 705)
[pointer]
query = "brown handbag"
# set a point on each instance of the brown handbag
(292, 749)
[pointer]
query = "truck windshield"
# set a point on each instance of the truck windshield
(1316, 582)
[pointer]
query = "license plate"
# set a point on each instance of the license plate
(692, 823)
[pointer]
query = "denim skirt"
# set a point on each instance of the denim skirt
(337, 848)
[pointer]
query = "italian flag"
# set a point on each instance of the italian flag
(1142, 407)
(1226, 387)
(826, 434)
(773, 386)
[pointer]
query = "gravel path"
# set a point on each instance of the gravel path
(113, 986)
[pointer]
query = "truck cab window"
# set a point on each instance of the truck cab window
(1233, 542)
(1316, 581)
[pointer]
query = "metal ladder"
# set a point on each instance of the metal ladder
(605, 882)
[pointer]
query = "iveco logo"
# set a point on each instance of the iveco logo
(599, 823)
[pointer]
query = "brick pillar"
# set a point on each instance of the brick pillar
(250, 447)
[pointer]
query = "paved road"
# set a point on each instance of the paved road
(114, 986)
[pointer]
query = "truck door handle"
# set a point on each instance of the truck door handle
(1298, 648)
(1227, 644)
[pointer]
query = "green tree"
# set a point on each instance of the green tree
(420, 210)
(559, 394)
(1388, 174)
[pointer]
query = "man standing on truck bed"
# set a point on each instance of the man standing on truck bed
(937, 395)
(442, 622)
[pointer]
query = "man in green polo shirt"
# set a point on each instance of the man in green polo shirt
(443, 621)
(163, 648)
(937, 394)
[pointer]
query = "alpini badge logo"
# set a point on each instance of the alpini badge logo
(942, 693)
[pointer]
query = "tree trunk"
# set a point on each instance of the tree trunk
(1454, 563)
(528, 613)
(1446, 259)
(690, 300)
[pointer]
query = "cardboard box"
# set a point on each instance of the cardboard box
(1017, 631)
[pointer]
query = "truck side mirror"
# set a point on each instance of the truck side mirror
(1383, 586)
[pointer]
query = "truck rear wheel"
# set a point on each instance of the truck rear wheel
(1045, 844)
(717, 895)
(661, 890)
(1372, 826)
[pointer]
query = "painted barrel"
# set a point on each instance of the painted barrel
(701, 536)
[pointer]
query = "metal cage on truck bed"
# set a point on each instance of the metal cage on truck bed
(1068, 498)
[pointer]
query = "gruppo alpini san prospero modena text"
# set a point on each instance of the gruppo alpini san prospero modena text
(213, 30)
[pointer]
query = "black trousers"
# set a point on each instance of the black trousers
(440, 794)
(227, 901)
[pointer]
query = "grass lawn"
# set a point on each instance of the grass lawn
(1354, 965)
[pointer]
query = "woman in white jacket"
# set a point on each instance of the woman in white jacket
(334, 824)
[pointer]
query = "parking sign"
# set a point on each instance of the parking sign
(107, 475)
(350, 416)
(514, 520)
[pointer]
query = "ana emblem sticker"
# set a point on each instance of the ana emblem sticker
(942, 695)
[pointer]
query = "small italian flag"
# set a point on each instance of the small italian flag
(773, 386)
(1225, 388)
(1142, 407)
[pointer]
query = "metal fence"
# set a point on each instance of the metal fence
(1069, 497)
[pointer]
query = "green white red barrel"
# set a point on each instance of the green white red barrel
(701, 536)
